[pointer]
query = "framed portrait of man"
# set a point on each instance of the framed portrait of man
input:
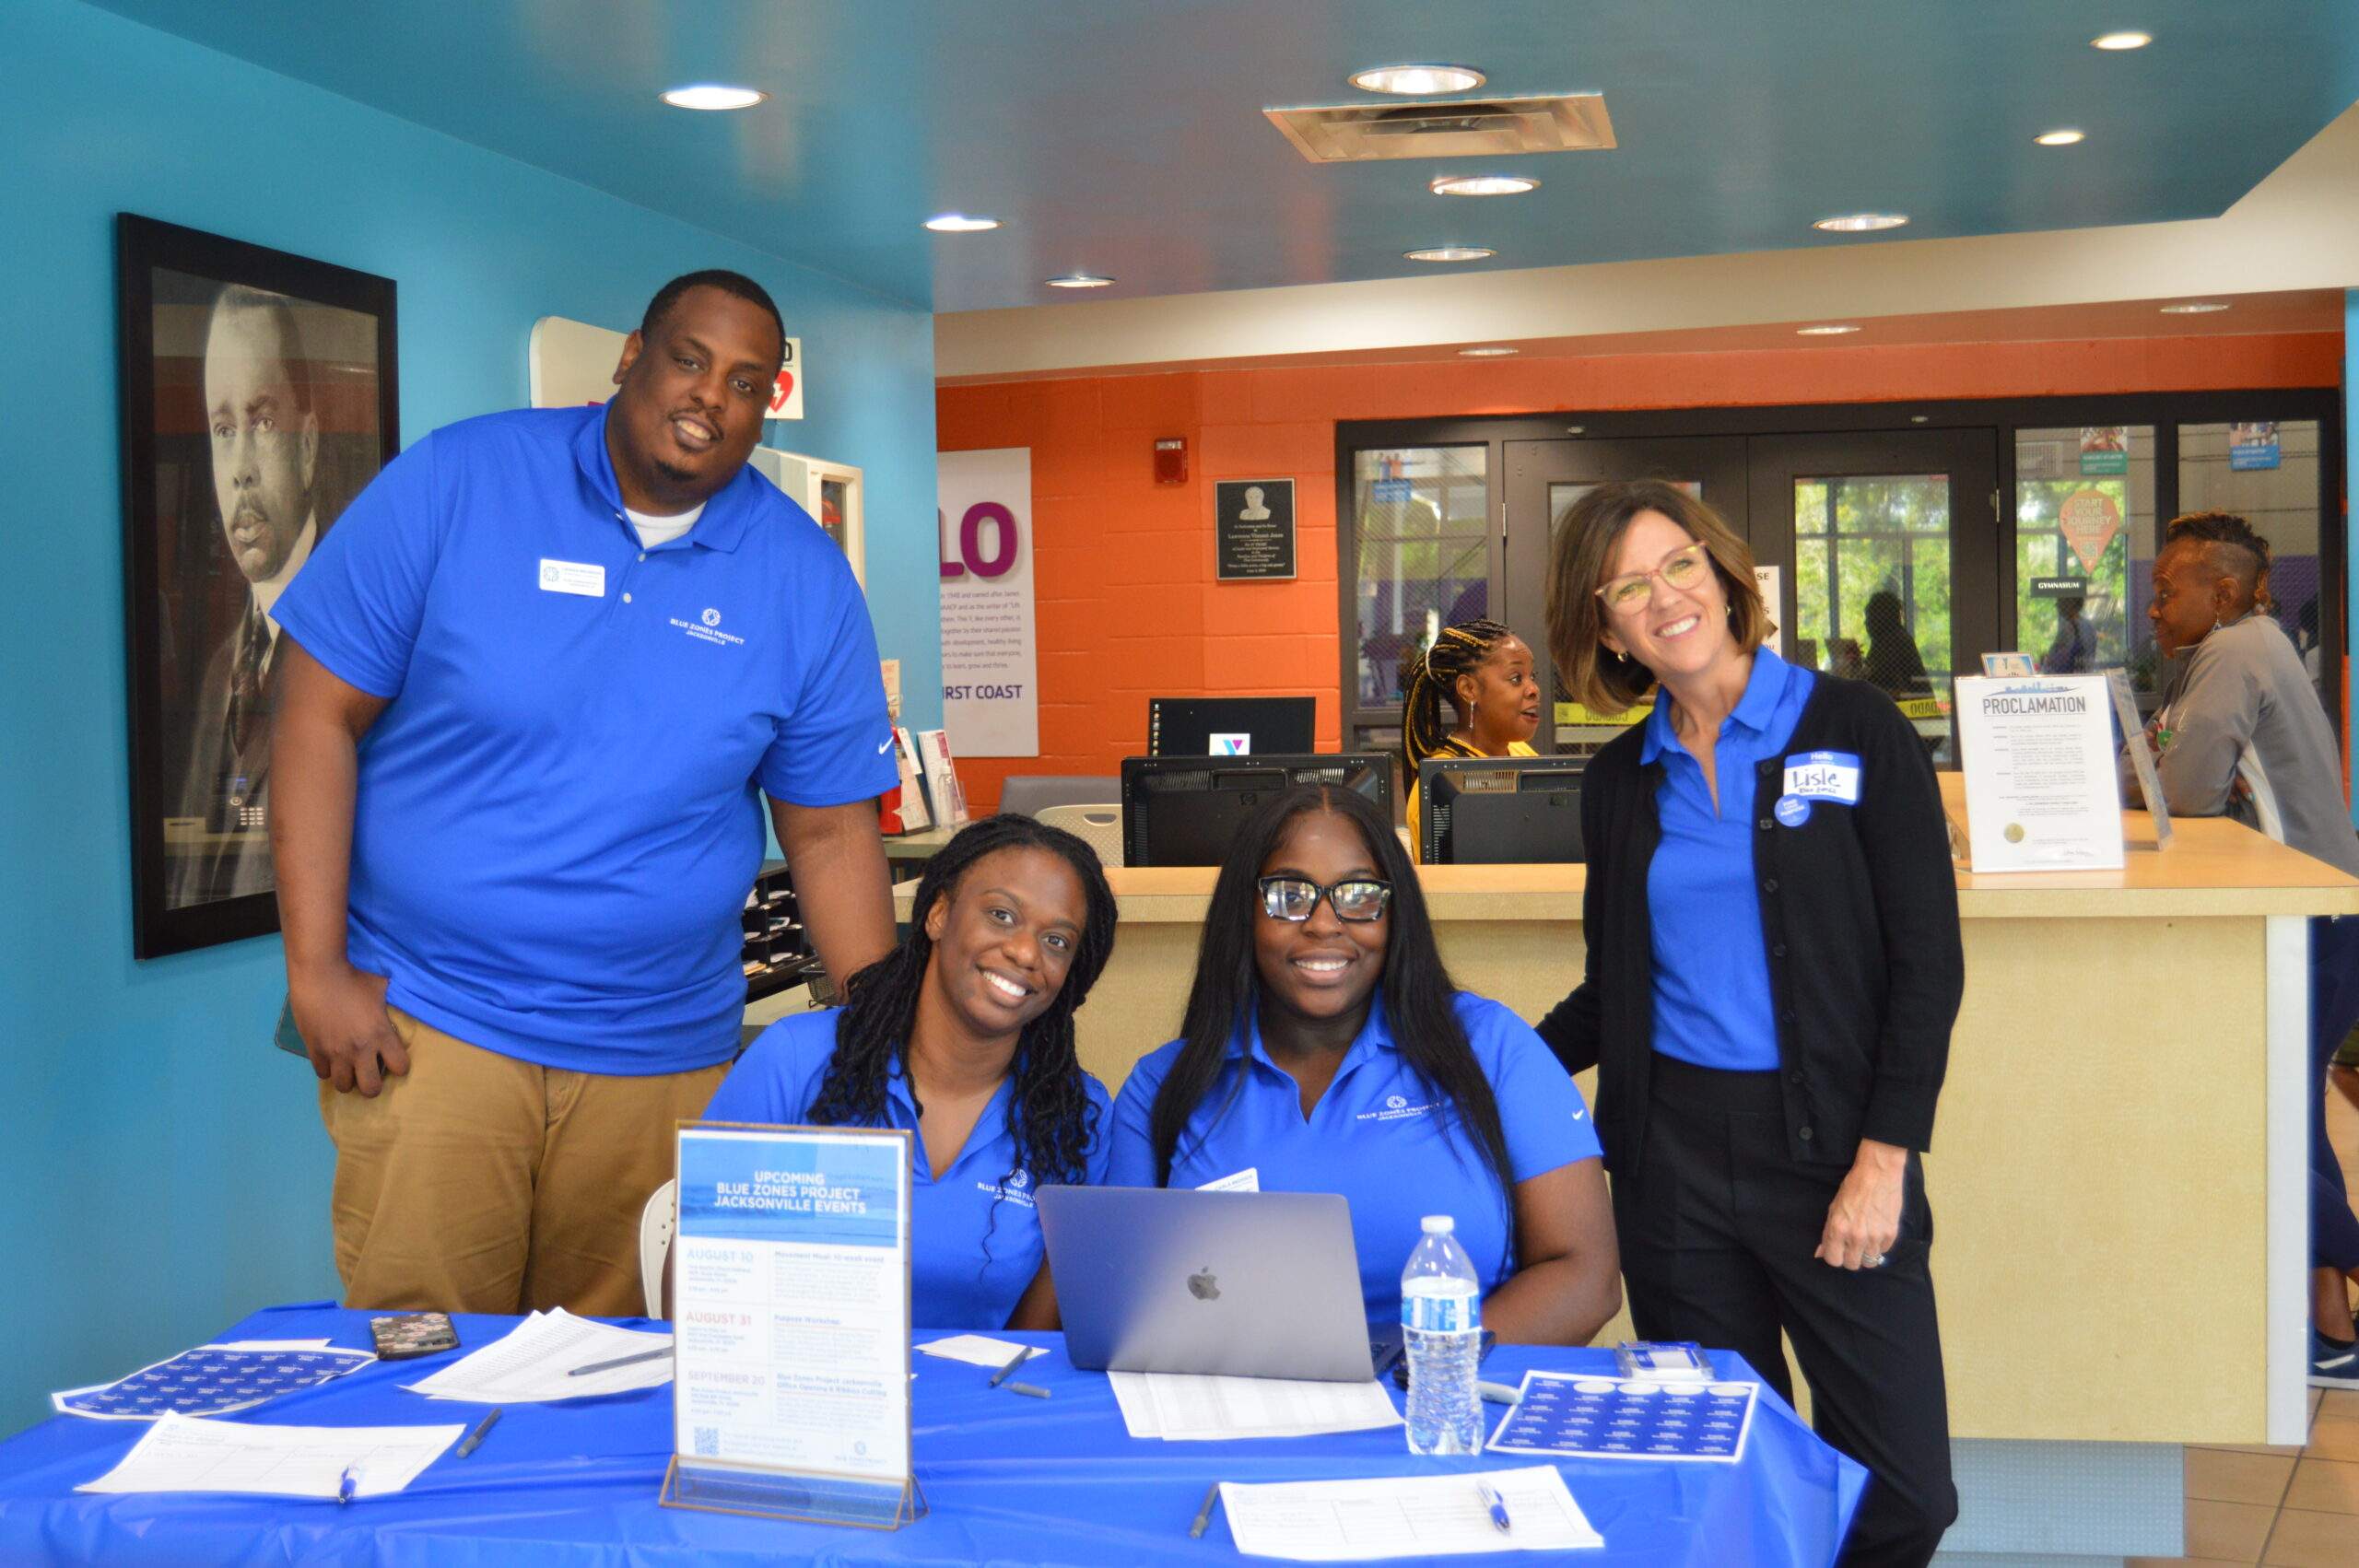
(258, 398)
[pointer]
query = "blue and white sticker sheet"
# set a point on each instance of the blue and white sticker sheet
(1613, 1418)
(212, 1380)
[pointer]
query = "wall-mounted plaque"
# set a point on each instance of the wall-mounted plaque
(1253, 529)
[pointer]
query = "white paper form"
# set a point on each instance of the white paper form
(1182, 1406)
(1441, 1516)
(183, 1454)
(533, 1362)
(979, 1350)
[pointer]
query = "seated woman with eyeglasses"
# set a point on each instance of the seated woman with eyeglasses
(1325, 1049)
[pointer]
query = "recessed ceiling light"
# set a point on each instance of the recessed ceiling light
(1499, 351)
(2120, 40)
(2195, 308)
(1860, 222)
(1831, 330)
(1413, 80)
(2061, 138)
(1449, 254)
(710, 95)
(1079, 280)
(1483, 185)
(960, 223)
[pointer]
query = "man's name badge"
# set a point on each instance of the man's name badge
(1824, 776)
(584, 577)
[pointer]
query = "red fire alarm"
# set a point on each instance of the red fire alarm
(1171, 460)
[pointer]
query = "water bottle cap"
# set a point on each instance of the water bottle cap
(1438, 1224)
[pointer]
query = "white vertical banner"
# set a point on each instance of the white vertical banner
(1769, 582)
(990, 703)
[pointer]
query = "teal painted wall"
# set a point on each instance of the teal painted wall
(163, 1166)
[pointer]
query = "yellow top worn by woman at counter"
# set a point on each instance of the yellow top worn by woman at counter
(1485, 673)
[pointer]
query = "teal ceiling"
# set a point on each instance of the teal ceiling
(1126, 137)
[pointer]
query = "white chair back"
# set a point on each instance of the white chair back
(1098, 826)
(655, 1225)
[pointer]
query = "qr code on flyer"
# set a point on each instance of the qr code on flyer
(708, 1441)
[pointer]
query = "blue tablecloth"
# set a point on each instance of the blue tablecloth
(1007, 1479)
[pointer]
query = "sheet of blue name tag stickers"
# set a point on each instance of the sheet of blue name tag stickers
(212, 1380)
(1611, 1418)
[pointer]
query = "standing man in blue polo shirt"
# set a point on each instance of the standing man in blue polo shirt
(542, 675)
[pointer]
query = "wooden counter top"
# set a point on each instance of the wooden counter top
(2213, 867)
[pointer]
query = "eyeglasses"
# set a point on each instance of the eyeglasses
(1295, 898)
(1684, 568)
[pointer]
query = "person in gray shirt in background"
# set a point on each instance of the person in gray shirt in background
(2241, 733)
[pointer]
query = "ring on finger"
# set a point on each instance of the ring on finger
(1872, 1261)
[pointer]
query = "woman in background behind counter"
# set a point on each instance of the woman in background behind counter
(1484, 671)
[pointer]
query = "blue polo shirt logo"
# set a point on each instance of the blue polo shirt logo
(707, 629)
(1396, 1108)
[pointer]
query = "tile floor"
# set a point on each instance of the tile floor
(2287, 1507)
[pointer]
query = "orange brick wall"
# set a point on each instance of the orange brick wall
(1128, 607)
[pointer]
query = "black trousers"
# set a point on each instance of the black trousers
(1717, 1224)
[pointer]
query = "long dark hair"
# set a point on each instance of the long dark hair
(1049, 1116)
(1227, 995)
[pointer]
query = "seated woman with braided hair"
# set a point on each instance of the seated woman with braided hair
(964, 1036)
(1483, 671)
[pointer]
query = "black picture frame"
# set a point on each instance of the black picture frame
(313, 378)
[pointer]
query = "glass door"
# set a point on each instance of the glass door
(1544, 479)
(1886, 543)
(1422, 544)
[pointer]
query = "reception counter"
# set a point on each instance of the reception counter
(2120, 1170)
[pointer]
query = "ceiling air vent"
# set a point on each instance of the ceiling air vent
(1355, 133)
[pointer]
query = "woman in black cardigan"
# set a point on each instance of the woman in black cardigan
(1773, 970)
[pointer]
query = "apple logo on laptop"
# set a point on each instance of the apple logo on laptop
(1203, 1286)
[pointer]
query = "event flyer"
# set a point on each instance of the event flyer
(2041, 793)
(790, 1300)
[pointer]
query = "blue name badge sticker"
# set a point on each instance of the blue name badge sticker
(1824, 776)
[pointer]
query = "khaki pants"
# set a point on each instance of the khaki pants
(478, 1183)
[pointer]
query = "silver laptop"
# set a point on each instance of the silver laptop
(1253, 1284)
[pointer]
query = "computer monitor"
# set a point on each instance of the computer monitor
(1490, 810)
(1231, 726)
(1184, 811)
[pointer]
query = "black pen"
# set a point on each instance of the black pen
(1204, 1513)
(467, 1445)
(1001, 1375)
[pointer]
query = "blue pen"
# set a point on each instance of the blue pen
(1497, 1505)
(343, 1485)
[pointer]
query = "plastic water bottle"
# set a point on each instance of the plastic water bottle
(1442, 1324)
